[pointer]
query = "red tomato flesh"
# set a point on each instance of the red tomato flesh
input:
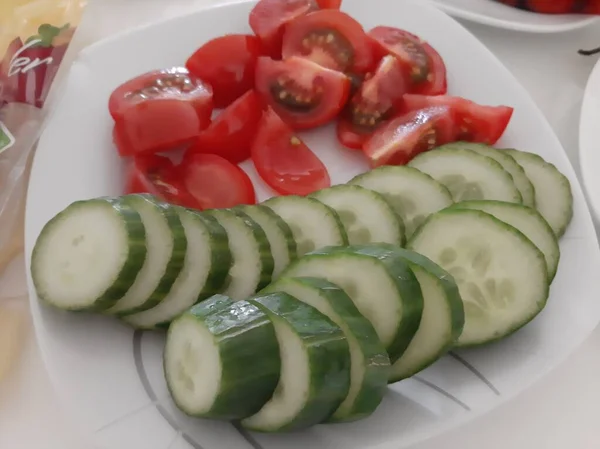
(330, 38)
(230, 135)
(329, 4)
(402, 138)
(283, 161)
(376, 101)
(228, 64)
(422, 63)
(552, 6)
(304, 94)
(475, 123)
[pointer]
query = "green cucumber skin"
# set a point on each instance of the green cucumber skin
(328, 354)
(377, 363)
(247, 343)
(177, 255)
(135, 259)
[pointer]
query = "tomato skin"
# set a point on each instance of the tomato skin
(214, 182)
(283, 161)
(323, 92)
(228, 64)
(475, 123)
(269, 17)
(335, 41)
(551, 6)
(230, 135)
(422, 62)
(402, 138)
(329, 4)
(159, 85)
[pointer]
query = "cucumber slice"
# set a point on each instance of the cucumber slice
(252, 266)
(279, 234)
(501, 275)
(412, 194)
(313, 224)
(369, 361)
(207, 261)
(526, 220)
(366, 215)
(468, 175)
(165, 245)
(508, 163)
(553, 196)
(381, 285)
(207, 349)
(88, 255)
(315, 366)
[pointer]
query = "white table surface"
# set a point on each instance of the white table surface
(557, 413)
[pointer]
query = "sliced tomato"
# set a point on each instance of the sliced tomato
(302, 92)
(552, 6)
(230, 135)
(329, 4)
(402, 138)
(228, 64)
(284, 161)
(214, 182)
(475, 123)
(424, 65)
(376, 101)
(171, 84)
(154, 127)
(330, 38)
(269, 17)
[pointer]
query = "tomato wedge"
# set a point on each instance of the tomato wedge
(402, 138)
(329, 4)
(214, 182)
(302, 92)
(170, 84)
(330, 38)
(475, 123)
(228, 64)
(284, 161)
(424, 65)
(269, 17)
(376, 101)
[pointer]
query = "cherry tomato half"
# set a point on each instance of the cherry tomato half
(424, 65)
(304, 94)
(230, 135)
(475, 123)
(330, 38)
(329, 4)
(171, 84)
(283, 161)
(402, 138)
(552, 6)
(376, 101)
(228, 64)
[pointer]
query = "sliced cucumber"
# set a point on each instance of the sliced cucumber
(207, 349)
(413, 194)
(381, 285)
(88, 255)
(366, 215)
(468, 175)
(252, 266)
(553, 196)
(501, 275)
(508, 163)
(315, 366)
(526, 220)
(165, 245)
(370, 363)
(313, 224)
(207, 262)
(279, 234)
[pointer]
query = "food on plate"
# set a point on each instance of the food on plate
(227, 64)
(552, 6)
(423, 64)
(330, 38)
(283, 160)
(303, 93)
(329, 4)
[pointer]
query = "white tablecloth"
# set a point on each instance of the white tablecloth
(557, 413)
